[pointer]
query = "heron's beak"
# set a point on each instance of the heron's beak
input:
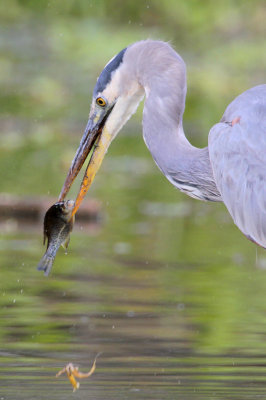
(95, 137)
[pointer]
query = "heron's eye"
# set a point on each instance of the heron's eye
(101, 102)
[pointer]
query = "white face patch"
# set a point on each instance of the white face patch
(124, 108)
(111, 92)
(125, 94)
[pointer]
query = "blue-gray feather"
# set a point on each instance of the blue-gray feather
(106, 74)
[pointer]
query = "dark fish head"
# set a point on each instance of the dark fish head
(57, 217)
(66, 208)
(61, 210)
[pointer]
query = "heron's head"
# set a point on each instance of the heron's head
(116, 96)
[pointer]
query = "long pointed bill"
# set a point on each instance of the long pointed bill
(86, 144)
(91, 134)
(94, 164)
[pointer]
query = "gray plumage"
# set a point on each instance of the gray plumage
(238, 159)
(231, 169)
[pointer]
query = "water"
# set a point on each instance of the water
(190, 328)
(164, 286)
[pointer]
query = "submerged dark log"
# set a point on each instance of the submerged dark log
(31, 210)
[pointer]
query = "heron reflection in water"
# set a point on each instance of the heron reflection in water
(231, 169)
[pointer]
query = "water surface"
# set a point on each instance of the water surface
(192, 328)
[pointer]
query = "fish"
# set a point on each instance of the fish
(57, 226)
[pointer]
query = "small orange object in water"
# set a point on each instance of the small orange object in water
(73, 372)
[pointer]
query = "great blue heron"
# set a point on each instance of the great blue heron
(231, 169)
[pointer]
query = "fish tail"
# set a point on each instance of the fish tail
(46, 264)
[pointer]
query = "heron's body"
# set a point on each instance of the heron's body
(231, 169)
(238, 160)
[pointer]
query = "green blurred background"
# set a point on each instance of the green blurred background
(52, 52)
(201, 270)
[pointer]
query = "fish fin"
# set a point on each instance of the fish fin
(45, 237)
(46, 264)
(66, 243)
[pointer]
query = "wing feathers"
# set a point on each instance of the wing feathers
(238, 159)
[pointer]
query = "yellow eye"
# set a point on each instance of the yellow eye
(101, 102)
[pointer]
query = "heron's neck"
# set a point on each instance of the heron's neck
(185, 166)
